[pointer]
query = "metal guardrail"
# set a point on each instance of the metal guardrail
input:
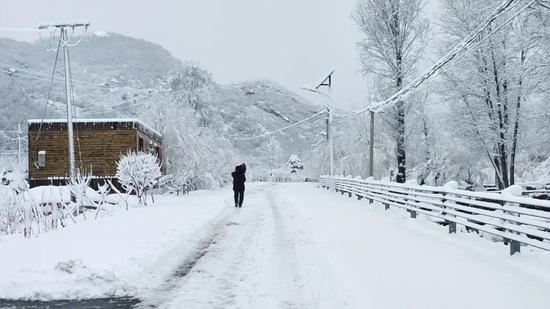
(518, 220)
(535, 189)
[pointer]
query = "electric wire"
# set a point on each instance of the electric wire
(448, 57)
(280, 129)
(19, 70)
(48, 94)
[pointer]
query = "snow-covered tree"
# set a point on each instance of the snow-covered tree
(492, 88)
(393, 38)
(193, 153)
(138, 172)
(190, 84)
(295, 164)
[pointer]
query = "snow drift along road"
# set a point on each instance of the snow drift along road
(290, 246)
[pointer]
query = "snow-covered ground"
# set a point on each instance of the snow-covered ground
(123, 254)
(290, 246)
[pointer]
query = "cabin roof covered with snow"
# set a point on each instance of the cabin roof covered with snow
(100, 122)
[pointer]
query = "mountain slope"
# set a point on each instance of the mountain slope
(109, 69)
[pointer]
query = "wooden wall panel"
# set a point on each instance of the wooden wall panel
(96, 151)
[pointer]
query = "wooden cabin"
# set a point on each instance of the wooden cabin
(99, 144)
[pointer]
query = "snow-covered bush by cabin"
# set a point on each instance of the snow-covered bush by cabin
(12, 189)
(138, 172)
(295, 164)
(11, 210)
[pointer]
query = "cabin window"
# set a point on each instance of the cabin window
(140, 144)
(41, 162)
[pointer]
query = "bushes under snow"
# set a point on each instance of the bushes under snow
(138, 172)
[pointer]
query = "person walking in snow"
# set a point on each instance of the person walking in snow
(238, 184)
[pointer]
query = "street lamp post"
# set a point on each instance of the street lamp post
(371, 145)
(326, 82)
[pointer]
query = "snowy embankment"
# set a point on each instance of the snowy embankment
(122, 254)
(290, 246)
(356, 255)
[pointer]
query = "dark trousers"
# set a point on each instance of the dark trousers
(239, 197)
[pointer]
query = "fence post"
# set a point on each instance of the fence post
(453, 185)
(386, 206)
(359, 197)
(513, 190)
(413, 213)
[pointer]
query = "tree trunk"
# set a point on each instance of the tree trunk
(401, 154)
(516, 124)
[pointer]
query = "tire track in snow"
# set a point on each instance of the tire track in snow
(201, 272)
(174, 275)
(297, 295)
(250, 263)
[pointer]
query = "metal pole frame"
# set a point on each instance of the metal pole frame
(371, 145)
(70, 134)
(65, 39)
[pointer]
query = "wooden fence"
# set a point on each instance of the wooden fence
(517, 220)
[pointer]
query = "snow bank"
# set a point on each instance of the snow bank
(52, 194)
(358, 255)
(114, 256)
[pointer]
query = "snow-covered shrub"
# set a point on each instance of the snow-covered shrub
(11, 210)
(138, 172)
(295, 164)
(12, 189)
(537, 171)
(78, 188)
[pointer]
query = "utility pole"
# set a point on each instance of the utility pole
(72, 165)
(19, 137)
(329, 130)
(371, 145)
(65, 39)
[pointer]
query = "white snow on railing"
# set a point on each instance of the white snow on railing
(518, 220)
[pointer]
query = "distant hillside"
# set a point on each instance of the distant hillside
(252, 108)
(110, 68)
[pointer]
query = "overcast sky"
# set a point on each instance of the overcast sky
(292, 42)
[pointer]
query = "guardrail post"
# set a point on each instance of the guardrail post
(452, 185)
(452, 226)
(413, 213)
(386, 206)
(514, 190)
(359, 197)
(514, 247)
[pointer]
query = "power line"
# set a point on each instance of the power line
(2, 28)
(478, 44)
(465, 43)
(132, 102)
(19, 70)
(50, 88)
(281, 129)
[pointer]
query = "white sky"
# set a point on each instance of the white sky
(292, 42)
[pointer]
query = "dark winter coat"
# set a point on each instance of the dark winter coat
(239, 177)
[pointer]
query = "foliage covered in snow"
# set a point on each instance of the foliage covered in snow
(295, 164)
(138, 172)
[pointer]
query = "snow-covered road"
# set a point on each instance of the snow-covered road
(290, 246)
